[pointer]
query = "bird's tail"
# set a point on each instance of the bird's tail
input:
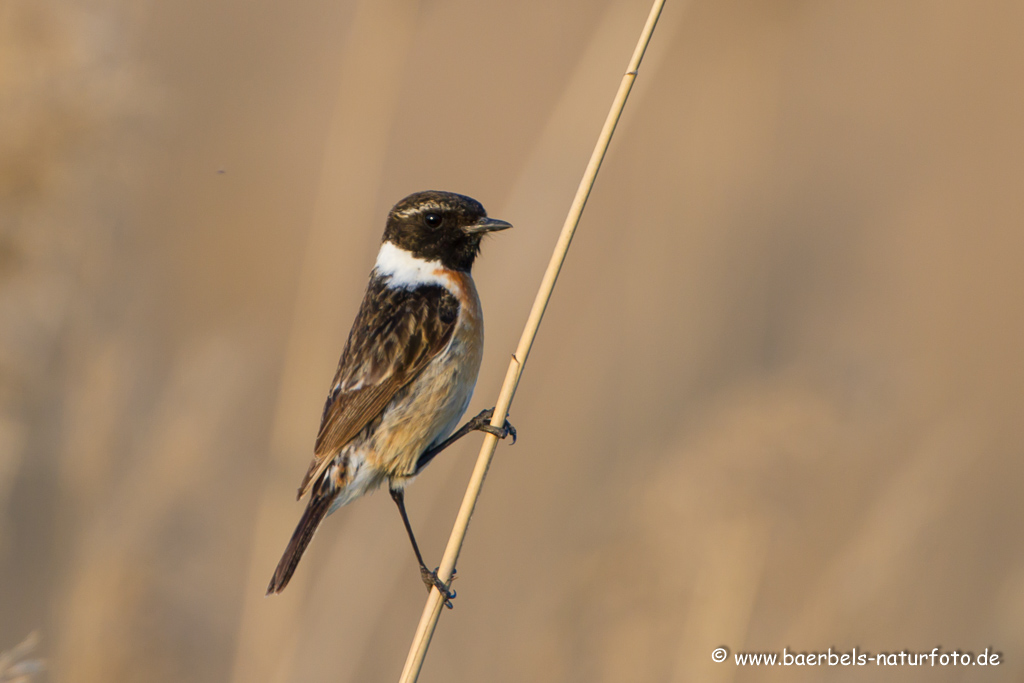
(319, 506)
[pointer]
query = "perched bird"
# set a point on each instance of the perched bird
(408, 368)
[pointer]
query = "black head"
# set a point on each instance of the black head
(440, 226)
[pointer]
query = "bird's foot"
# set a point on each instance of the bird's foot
(432, 580)
(482, 422)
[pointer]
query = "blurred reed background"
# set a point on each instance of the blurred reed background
(776, 401)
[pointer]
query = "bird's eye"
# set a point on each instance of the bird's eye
(432, 219)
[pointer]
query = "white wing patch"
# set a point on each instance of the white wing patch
(408, 271)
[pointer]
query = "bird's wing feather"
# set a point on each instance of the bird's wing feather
(396, 333)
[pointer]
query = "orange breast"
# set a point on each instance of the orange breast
(461, 285)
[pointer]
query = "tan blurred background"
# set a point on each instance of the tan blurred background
(776, 402)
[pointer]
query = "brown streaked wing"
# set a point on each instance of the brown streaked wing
(395, 334)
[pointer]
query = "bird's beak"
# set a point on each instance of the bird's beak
(488, 225)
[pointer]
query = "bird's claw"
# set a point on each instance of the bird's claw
(484, 425)
(432, 580)
(500, 432)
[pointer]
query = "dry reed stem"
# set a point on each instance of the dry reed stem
(432, 609)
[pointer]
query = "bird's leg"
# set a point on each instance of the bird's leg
(482, 423)
(430, 578)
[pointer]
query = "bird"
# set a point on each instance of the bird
(407, 371)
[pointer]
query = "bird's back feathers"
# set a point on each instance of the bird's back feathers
(396, 333)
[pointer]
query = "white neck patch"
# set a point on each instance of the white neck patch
(408, 271)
